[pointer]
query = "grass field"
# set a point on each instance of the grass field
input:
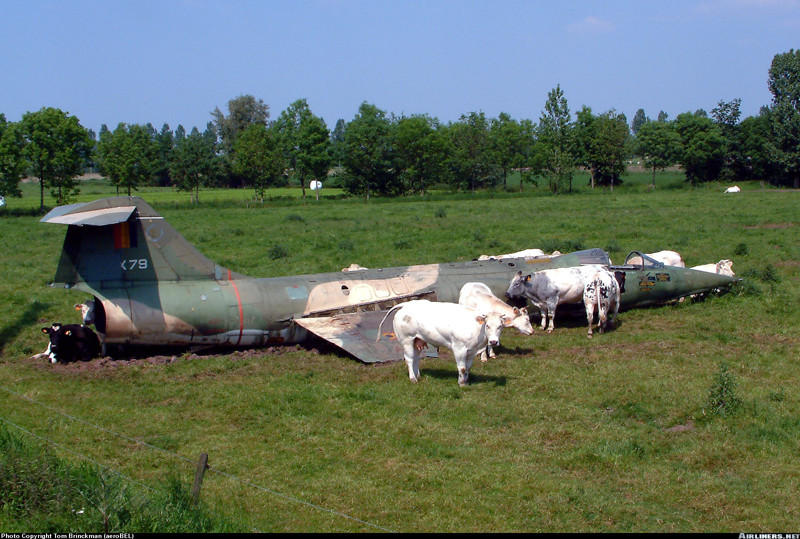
(685, 418)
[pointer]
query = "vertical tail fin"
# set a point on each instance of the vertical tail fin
(115, 242)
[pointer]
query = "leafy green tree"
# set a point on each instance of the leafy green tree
(726, 115)
(784, 84)
(639, 119)
(128, 156)
(702, 147)
(599, 143)
(305, 141)
(243, 111)
(507, 144)
(471, 158)
(662, 116)
(368, 153)
(756, 135)
(194, 163)
(555, 135)
(419, 151)
(164, 142)
(259, 158)
(57, 147)
(659, 145)
(12, 164)
(337, 142)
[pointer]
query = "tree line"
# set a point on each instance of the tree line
(377, 153)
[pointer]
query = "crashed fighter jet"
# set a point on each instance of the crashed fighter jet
(152, 287)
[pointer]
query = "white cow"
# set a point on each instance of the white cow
(354, 267)
(87, 311)
(602, 293)
(668, 258)
(463, 330)
(479, 296)
(734, 189)
(547, 289)
(526, 253)
(723, 267)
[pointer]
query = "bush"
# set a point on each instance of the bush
(722, 398)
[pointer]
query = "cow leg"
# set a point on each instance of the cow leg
(411, 354)
(602, 314)
(463, 364)
(551, 308)
(590, 317)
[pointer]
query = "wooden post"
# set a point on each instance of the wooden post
(202, 464)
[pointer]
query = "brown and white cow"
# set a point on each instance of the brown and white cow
(479, 296)
(463, 330)
(602, 293)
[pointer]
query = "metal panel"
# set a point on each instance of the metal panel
(356, 333)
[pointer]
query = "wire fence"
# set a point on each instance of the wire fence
(232, 477)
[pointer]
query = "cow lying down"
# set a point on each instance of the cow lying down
(463, 330)
(71, 342)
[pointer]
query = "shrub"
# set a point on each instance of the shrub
(277, 251)
(722, 398)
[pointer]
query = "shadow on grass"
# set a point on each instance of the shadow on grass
(23, 321)
(474, 378)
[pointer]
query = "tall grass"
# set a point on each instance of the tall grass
(560, 433)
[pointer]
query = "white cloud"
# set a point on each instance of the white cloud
(591, 25)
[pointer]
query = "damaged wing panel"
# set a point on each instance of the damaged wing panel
(356, 333)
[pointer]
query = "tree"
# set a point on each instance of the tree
(726, 116)
(194, 163)
(507, 144)
(555, 136)
(662, 116)
(164, 143)
(242, 112)
(305, 141)
(702, 147)
(784, 84)
(599, 144)
(639, 119)
(368, 153)
(419, 151)
(471, 159)
(12, 164)
(128, 156)
(756, 134)
(259, 158)
(57, 148)
(659, 145)
(337, 142)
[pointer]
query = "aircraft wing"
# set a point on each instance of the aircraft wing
(356, 333)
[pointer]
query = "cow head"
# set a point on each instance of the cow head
(58, 341)
(87, 311)
(521, 321)
(620, 277)
(516, 289)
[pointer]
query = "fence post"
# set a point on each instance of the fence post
(202, 464)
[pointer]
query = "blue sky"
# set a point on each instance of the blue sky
(174, 61)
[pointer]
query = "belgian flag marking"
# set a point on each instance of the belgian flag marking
(124, 236)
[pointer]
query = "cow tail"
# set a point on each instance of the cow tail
(384, 320)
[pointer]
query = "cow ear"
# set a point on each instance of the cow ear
(524, 310)
(68, 332)
(506, 321)
(481, 319)
(528, 277)
(517, 312)
(45, 330)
